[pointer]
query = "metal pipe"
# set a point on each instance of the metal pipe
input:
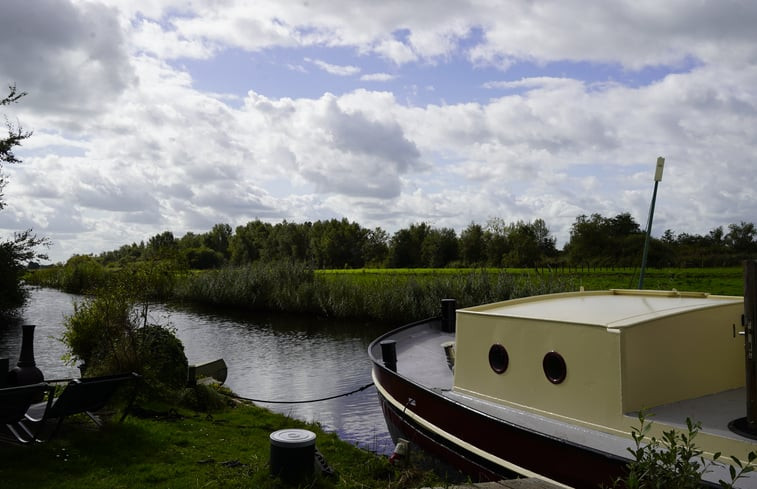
(657, 178)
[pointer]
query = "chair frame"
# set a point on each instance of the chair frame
(79, 396)
(14, 404)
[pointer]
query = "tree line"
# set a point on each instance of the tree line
(594, 240)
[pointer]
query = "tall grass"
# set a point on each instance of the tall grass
(292, 287)
(277, 286)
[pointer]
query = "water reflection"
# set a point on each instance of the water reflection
(270, 358)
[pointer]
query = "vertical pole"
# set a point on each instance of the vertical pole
(657, 178)
(646, 239)
(750, 341)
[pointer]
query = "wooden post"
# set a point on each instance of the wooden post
(750, 341)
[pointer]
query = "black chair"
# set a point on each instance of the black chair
(14, 404)
(80, 396)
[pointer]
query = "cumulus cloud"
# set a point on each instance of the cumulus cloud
(334, 69)
(126, 145)
(377, 77)
(69, 57)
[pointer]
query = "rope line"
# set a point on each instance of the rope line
(304, 402)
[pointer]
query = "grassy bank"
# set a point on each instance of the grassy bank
(186, 449)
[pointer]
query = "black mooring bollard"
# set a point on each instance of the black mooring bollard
(389, 354)
(448, 315)
(292, 455)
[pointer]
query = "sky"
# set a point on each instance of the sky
(169, 115)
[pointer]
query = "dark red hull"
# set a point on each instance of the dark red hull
(553, 458)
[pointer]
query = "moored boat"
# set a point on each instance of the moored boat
(550, 386)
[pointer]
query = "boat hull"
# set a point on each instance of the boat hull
(484, 447)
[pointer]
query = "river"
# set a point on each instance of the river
(270, 357)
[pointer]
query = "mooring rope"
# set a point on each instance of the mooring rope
(303, 402)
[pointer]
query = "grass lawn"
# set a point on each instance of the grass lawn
(186, 449)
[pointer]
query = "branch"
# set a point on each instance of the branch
(13, 96)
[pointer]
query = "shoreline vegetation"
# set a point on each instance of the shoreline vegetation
(395, 296)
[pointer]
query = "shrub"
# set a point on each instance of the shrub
(109, 332)
(674, 461)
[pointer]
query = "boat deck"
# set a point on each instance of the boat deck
(714, 412)
(421, 358)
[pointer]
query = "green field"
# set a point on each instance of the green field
(721, 281)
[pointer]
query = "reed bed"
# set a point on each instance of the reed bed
(294, 288)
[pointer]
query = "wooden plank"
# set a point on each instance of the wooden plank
(215, 370)
(530, 483)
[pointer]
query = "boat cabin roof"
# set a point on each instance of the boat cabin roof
(608, 309)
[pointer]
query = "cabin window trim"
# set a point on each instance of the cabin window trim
(499, 359)
(555, 368)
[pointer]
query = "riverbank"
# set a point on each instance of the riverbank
(392, 296)
(178, 448)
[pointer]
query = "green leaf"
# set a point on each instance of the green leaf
(736, 461)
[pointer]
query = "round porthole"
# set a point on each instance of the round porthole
(498, 358)
(554, 367)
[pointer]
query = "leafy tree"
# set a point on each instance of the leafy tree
(376, 247)
(202, 258)
(289, 241)
(218, 239)
(597, 239)
(190, 240)
(497, 246)
(337, 244)
(163, 246)
(15, 253)
(16, 135)
(524, 245)
(405, 246)
(740, 237)
(472, 245)
(250, 242)
(440, 247)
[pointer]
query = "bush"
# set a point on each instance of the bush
(160, 359)
(675, 461)
(109, 333)
(81, 274)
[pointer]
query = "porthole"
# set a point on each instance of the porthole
(554, 367)
(498, 358)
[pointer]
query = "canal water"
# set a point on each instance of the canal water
(270, 358)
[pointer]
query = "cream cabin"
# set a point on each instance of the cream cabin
(592, 357)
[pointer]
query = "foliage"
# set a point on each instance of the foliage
(673, 461)
(16, 135)
(15, 253)
(81, 274)
(110, 332)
